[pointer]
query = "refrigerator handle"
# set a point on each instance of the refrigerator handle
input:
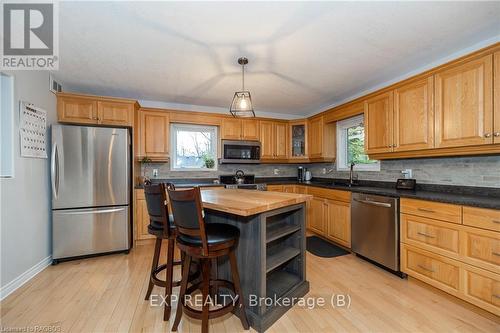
(54, 170)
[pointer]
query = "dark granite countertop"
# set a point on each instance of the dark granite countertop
(484, 197)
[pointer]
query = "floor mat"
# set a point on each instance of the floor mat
(322, 248)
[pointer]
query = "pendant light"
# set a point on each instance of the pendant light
(242, 101)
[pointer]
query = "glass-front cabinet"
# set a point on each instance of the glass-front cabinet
(298, 137)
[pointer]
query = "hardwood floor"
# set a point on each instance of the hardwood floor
(106, 294)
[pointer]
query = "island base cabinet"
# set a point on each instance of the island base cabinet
(271, 260)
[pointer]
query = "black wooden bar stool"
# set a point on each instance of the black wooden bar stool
(162, 227)
(205, 242)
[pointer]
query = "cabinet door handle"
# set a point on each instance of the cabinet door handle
(495, 253)
(487, 135)
(428, 210)
(426, 235)
(426, 269)
(496, 134)
(495, 221)
(496, 296)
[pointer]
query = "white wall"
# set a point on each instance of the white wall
(25, 224)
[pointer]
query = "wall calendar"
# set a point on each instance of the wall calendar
(32, 130)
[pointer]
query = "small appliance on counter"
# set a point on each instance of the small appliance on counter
(241, 181)
(406, 184)
(300, 174)
(308, 175)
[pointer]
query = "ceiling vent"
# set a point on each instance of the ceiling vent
(54, 86)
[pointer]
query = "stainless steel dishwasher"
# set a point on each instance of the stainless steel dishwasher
(375, 228)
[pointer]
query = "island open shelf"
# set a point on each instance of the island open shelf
(271, 252)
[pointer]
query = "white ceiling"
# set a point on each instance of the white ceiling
(303, 56)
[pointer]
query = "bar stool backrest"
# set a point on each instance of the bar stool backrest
(188, 217)
(156, 201)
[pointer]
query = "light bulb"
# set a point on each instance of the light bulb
(243, 103)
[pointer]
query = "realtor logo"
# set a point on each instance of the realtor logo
(30, 36)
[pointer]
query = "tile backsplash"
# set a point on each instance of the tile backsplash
(481, 171)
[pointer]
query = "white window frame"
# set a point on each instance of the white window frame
(342, 159)
(173, 146)
(7, 127)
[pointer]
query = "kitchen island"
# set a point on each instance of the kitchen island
(271, 251)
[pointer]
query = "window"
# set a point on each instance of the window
(194, 148)
(6, 126)
(351, 146)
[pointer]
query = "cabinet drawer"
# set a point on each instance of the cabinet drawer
(481, 248)
(433, 210)
(438, 271)
(481, 288)
(482, 218)
(330, 194)
(432, 235)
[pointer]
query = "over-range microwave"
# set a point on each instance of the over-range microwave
(236, 151)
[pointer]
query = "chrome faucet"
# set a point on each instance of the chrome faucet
(351, 174)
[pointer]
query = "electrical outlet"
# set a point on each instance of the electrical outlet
(276, 171)
(407, 173)
(323, 171)
(155, 173)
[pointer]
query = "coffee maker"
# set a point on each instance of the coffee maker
(300, 174)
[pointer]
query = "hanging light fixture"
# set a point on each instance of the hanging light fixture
(242, 101)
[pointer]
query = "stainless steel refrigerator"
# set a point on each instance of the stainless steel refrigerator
(90, 178)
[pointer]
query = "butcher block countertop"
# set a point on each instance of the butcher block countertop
(249, 202)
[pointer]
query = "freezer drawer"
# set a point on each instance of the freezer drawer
(78, 232)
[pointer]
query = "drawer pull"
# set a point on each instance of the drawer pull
(496, 296)
(425, 235)
(428, 210)
(495, 254)
(495, 221)
(426, 269)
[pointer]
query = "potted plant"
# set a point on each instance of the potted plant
(145, 161)
(209, 161)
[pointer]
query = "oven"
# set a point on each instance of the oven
(235, 151)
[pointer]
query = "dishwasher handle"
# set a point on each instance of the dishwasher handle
(374, 203)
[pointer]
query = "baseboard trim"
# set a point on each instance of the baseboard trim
(13, 285)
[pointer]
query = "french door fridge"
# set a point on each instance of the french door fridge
(90, 179)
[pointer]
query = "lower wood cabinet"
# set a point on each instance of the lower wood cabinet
(455, 252)
(338, 222)
(436, 270)
(141, 220)
(316, 215)
(329, 214)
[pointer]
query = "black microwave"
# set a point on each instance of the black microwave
(235, 151)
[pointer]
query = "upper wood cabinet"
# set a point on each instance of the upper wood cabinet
(273, 139)
(297, 136)
(115, 113)
(464, 104)
(153, 135)
(379, 117)
(414, 115)
(496, 98)
(250, 129)
(321, 139)
(83, 109)
(239, 129)
(72, 109)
